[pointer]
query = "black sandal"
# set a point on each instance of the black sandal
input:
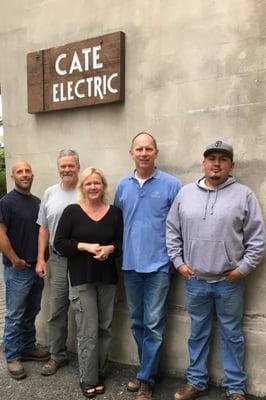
(100, 388)
(88, 391)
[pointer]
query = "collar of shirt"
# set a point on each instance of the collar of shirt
(156, 175)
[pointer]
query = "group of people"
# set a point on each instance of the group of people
(210, 231)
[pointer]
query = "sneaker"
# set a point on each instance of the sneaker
(189, 392)
(236, 396)
(16, 370)
(145, 391)
(37, 354)
(52, 366)
(133, 385)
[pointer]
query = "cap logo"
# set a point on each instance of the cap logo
(218, 143)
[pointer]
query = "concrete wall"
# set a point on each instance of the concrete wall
(195, 72)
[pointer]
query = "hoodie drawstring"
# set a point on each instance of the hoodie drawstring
(206, 206)
(215, 199)
(203, 186)
(207, 202)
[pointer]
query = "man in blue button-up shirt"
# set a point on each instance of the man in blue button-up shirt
(145, 197)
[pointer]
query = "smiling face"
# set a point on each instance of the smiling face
(144, 153)
(93, 187)
(22, 176)
(217, 167)
(68, 169)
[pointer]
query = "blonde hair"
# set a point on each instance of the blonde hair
(83, 176)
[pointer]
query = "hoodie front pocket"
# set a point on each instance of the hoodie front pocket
(208, 257)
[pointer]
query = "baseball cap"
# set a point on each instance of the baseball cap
(221, 147)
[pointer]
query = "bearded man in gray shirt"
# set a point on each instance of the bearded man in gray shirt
(53, 203)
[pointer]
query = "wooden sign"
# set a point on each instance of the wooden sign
(79, 74)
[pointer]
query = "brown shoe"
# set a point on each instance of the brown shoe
(133, 385)
(16, 370)
(189, 392)
(37, 354)
(52, 366)
(236, 396)
(145, 391)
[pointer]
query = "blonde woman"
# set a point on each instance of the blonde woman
(89, 234)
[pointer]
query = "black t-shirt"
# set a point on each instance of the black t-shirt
(76, 226)
(19, 212)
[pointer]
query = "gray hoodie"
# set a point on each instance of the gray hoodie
(215, 230)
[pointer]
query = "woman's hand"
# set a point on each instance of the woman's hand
(93, 248)
(103, 252)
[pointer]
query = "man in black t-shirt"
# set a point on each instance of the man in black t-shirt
(18, 243)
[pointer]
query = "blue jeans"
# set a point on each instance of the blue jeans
(23, 299)
(226, 300)
(147, 303)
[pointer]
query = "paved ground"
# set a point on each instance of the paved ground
(65, 384)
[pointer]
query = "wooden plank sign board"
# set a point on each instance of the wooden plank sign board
(84, 73)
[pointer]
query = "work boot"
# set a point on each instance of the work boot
(133, 385)
(145, 391)
(37, 354)
(52, 366)
(189, 392)
(16, 369)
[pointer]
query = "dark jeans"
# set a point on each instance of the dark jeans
(23, 300)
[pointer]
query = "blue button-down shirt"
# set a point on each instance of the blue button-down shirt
(145, 209)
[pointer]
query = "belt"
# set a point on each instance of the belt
(56, 253)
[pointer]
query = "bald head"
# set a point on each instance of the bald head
(22, 176)
(20, 164)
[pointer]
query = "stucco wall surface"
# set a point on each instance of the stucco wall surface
(195, 72)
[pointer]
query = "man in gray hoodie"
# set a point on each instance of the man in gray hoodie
(215, 237)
